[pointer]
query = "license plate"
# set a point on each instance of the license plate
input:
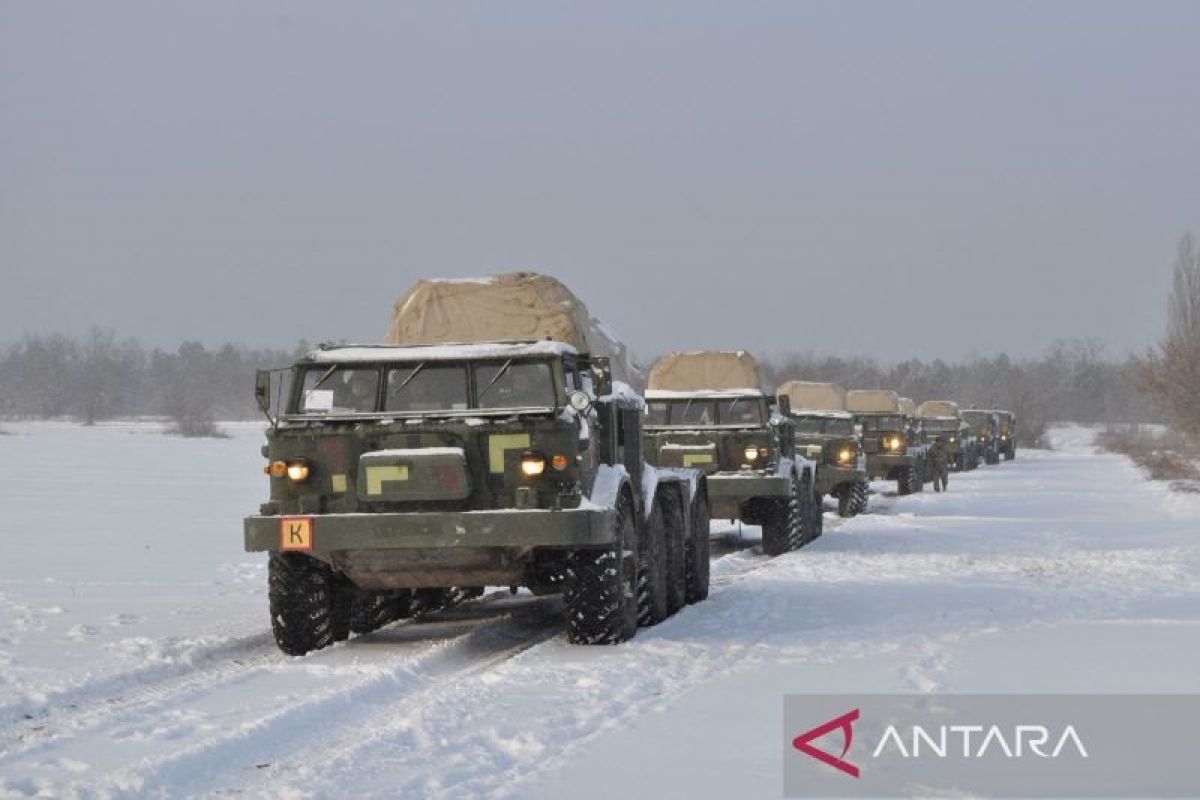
(296, 533)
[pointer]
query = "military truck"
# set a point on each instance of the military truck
(1008, 434)
(826, 434)
(892, 449)
(985, 430)
(429, 467)
(942, 419)
(707, 410)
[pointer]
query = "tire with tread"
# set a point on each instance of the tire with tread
(784, 527)
(652, 569)
(600, 591)
(676, 542)
(301, 591)
(697, 549)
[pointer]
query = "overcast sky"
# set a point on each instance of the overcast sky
(919, 179)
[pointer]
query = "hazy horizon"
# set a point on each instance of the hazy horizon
(923, 180)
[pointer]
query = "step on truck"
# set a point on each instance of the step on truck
(985, 430)
(941, 419)
(827, 435)
(408, 475)
(893, 450)
(707, 410)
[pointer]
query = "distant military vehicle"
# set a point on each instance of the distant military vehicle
(888, 436)
(1008, 434)
(428, 466)
(707, 410)
(985, 429)
(942, 419)
(826, 433)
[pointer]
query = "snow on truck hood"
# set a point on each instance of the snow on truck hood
(439, 352)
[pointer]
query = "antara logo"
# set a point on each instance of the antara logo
(948, 741)
(803, 742)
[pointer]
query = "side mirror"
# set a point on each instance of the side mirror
(602, 375)
(262, 390)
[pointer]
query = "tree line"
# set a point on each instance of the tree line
(100, 376)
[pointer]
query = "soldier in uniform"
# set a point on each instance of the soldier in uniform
(939, 460)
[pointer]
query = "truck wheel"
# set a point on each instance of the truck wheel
(343, 604)
(858, 492)
(845, 501)
(818, 516)
(652, 571)
(904, 481)
(1009, 455)
(697, 551)
(301, 594)
(370, 611)
(676, 542)
(784, 528)
(601, 586)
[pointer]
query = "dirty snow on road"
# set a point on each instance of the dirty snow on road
(136, 658)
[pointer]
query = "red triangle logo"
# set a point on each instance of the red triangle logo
(803, 742)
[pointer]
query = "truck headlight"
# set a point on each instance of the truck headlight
(895, 443)
(298, 471)
(844, 455)
(532, 464)
(751, 453)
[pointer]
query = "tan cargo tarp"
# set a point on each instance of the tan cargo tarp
(866, 401)
(907, 406)
(814, 396)
(937, 408)
(513, 306)
(706, 371)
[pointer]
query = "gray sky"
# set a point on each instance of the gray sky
(894, 179)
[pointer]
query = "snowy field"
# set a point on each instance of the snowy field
(136, 657)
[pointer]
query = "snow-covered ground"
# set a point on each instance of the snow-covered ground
(136, 659)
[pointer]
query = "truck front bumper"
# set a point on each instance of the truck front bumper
(881, 465)
(829, 477)
(434, 530)
(743, 486)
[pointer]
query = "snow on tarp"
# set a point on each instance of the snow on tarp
(810, 395)
(867, 401)
(937, 408)
(367, 352)
(512, 306)
(907, 406)
(706, 371)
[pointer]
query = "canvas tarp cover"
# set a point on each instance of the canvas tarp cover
(714, 370)
(866, 401)
(513, 306)
(937, 408)
(815, 396)
(907, 406)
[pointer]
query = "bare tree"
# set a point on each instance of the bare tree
(1171, 371)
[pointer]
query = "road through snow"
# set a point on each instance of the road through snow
(135, 657)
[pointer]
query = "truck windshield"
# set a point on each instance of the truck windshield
(977, 418)
(883, 422)
(339, 390)
(426, 387)
(703, 413)
(940, 425)
(515, 385)
(832, 426)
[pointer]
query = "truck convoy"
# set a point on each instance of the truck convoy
(707, 410)
(826, 433)
(491, 441)
(893, 451)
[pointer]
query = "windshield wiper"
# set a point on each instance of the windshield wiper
(503, 370)
(324, 378)
(409, 379)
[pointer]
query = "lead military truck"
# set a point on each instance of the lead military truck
(893, 450)
(428, 466)
(826, 433)
(707, 410)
